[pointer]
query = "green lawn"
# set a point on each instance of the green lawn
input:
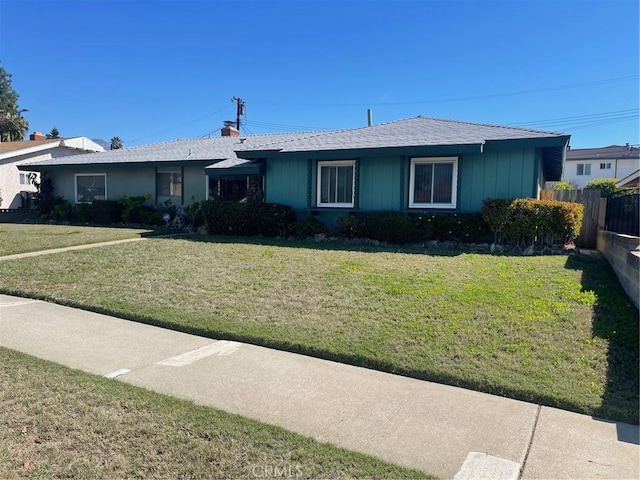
(555, 330)
(22, 238)
(61, 423)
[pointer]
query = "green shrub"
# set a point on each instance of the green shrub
(397, 227)
(532, 221)
(131, 211)
(105, 212)
(459, 227)
(308, 227)
(607, 186)
(194, 210)
(83, 212)
(247, 219)
(564, 186)
(61, 211)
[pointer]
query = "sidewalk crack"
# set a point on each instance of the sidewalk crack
(533, 433)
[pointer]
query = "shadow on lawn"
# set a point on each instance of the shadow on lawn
(337, 245)
(615, 320)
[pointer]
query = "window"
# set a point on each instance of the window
(584, 169)
(433, 182)
(169, 185)
(25, 178)
(605, 166)
(336, 183)
(90, 187)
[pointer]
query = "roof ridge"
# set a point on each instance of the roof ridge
(492, 125)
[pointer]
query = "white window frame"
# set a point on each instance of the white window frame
(25, 178)
(454, 181)
(605, 166)
(335, 163)
(75, 183)
(585, 167)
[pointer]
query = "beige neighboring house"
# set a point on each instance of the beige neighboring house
(16, 188)
(585, 164)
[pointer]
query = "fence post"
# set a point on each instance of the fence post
(603, 213)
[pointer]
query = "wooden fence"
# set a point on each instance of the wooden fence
(590, 199)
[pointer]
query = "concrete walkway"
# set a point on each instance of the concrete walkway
(447, 431)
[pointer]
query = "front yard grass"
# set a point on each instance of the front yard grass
(555, 330)
(23, 238)
(61, 423)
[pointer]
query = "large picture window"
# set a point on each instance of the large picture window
(433, 182)
(90, 187)
(169, 185)
(336, 183)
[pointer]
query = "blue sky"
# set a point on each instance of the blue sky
(149, 71)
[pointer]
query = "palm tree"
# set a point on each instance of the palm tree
(116, 143)
(13, 126)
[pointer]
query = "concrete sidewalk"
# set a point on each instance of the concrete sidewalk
(447, 431)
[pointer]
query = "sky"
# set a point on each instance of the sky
(152, 71)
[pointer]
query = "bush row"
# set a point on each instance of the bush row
(106, 212)
(518, 221)
(247, 219)
(531, 221)
(395, 227)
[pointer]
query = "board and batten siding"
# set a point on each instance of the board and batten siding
(380, 184)
(496, 174)
(286, 182)
(383, 182)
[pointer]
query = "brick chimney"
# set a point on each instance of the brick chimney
(229, 129)
(37, 136)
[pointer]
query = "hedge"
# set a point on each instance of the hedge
(247, 219)
(532, 221)
(396, 227)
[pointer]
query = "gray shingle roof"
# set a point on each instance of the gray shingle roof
(612, 152)
(412, 132)
(206, 149)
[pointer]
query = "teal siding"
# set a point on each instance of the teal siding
(496, 174)
(286, 182)
(380, 183)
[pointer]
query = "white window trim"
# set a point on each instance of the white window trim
(454, 183)
(75, 183)
(335, 163)
(27, 178)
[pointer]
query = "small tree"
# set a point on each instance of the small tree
(116, 143)
(54, 133)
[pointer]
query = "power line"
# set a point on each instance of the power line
(583, 121)
(458, 99)
(179, 126)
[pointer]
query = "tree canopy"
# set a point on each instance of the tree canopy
(13, 126)
(116, 143)
(54, 133)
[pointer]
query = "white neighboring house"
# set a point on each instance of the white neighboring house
(586, 164)
(15, 185)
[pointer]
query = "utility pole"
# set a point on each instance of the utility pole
(239, 111)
